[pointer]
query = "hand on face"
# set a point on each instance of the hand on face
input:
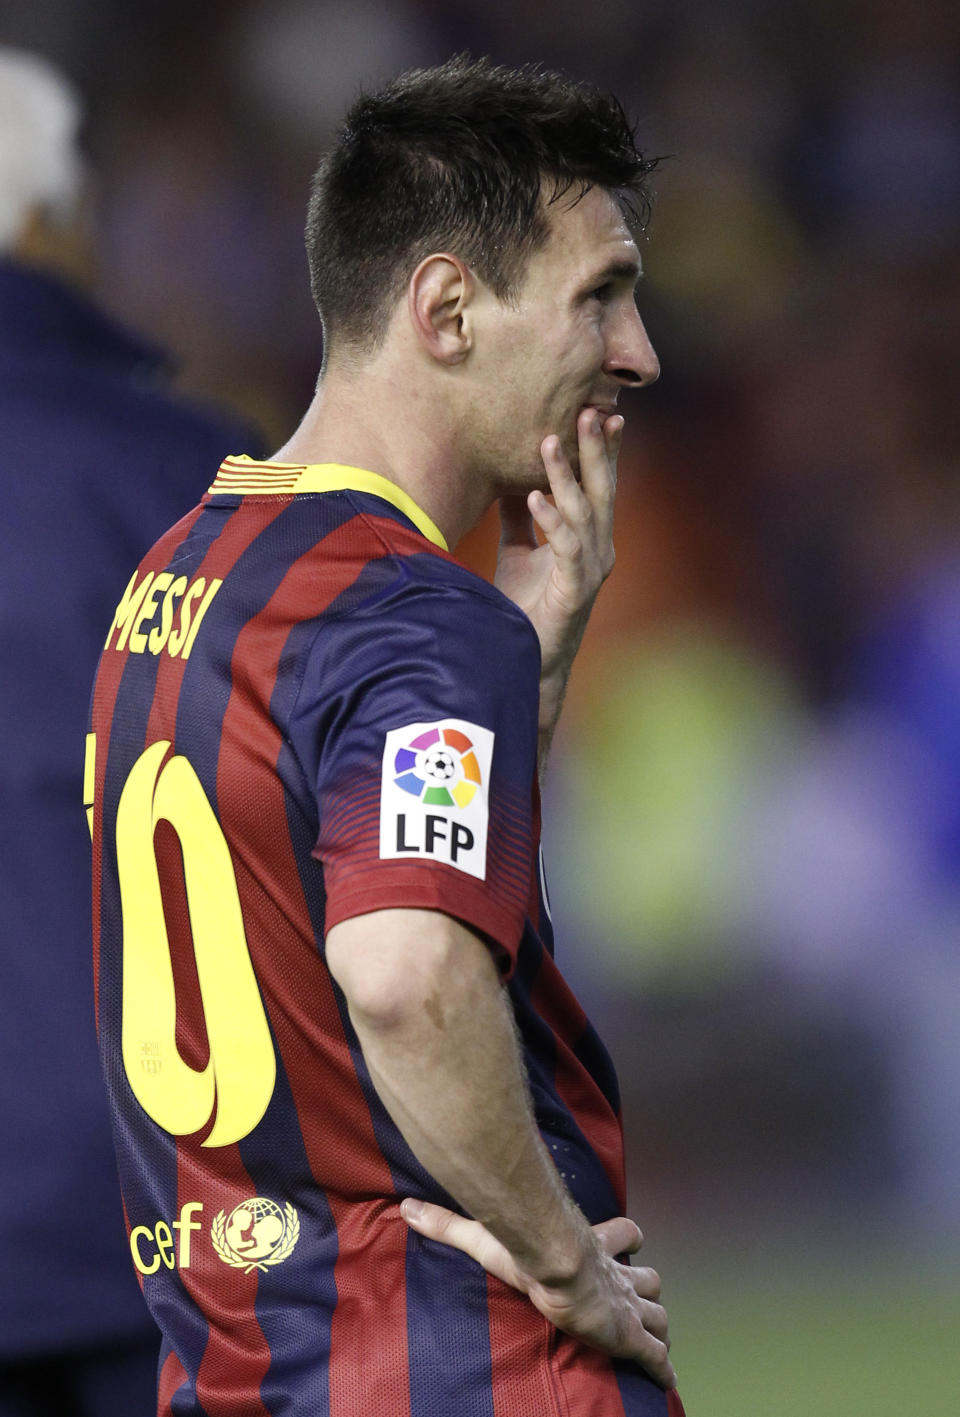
(556, 583)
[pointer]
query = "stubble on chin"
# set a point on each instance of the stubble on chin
(538, 479)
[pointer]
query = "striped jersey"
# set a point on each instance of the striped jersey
(306, 709)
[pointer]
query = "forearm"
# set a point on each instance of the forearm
(438, 1036)
(450, 1075)
(551, 702)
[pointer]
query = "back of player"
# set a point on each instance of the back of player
(306, 710)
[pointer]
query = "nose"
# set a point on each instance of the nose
(631, 358)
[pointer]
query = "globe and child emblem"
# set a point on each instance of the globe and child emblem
(255, 1234)
(439, 768)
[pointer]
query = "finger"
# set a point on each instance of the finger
(613, 436)
(645, 1281)
(564, 540)
(598, 455)
(651, 1352)
(655, 1321)
(516, 524)
(564, 486)
(439, 1223)
(660, 1368)
(460, 1233)
(620, 1236)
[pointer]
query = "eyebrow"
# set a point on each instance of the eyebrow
(620, 268)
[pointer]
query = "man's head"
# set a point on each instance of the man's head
(463, 158)
(41, 169)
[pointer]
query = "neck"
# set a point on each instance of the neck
(372, 419)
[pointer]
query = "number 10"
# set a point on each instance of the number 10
(239, 1077)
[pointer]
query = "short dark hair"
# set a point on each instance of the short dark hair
(454, 158)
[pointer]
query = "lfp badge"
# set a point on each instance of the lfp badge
(433, 794)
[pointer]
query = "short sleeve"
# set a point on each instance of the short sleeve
(416, 724)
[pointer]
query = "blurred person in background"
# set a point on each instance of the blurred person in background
(97, 458)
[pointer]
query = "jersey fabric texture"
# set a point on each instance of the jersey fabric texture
(307, 710)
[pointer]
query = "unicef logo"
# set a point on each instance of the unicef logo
(255, 1234)
(439, 768)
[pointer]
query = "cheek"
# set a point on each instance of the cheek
(582, 355)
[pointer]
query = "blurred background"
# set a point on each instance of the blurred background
(753, 814)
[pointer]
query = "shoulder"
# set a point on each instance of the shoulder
(421, 627)
(429, 604)
(431, 586)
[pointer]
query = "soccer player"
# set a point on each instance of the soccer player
(369, 1145)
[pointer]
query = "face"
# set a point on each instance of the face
(573, 340)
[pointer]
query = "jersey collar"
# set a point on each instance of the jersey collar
(241, 475)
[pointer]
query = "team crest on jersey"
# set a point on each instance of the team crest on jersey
(434, 794)
(255, 1234)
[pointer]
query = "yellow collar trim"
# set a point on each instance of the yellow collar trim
(241, 475)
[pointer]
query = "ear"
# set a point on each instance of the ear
(438, 298)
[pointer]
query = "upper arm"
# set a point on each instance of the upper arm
(416, 726)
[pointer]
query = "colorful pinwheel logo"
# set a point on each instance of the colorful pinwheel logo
(439, 768)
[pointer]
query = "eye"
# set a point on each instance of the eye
(603, 292)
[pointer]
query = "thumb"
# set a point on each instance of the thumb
(461, 1233)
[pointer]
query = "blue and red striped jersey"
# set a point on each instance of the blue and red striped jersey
(307, 709)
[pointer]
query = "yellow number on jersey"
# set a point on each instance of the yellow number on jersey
(239, 1078)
